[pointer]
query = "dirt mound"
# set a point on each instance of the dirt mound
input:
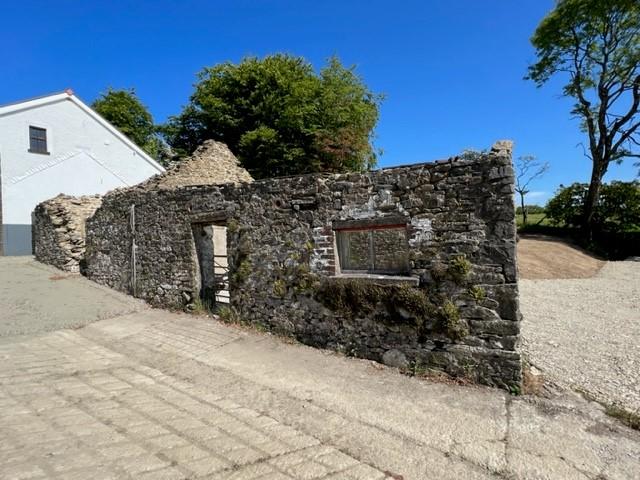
(541, 257)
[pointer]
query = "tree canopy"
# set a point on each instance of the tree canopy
(618, 207)
(280, 117)
(595, 46)
(125, 111)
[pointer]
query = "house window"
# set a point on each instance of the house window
(377, 249)
(38, 140)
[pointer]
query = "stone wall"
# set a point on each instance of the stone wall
(59, 230)
(212, 163)
(454, 307)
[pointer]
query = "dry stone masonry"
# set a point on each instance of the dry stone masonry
(59, 230)
(59, 224)
(413, 266)
(212, 163)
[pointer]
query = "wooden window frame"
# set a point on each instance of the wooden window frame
(35, 140)
(340, 232)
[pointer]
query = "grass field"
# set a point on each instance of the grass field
(532, 219)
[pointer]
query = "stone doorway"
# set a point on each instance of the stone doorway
(213, 264)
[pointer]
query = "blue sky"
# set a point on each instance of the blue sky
(452, 71)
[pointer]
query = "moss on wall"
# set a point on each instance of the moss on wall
(402, 303)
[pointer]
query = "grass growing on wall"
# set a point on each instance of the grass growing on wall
(449, 322)
(352, 298)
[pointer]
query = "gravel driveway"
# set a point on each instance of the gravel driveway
(585, 333)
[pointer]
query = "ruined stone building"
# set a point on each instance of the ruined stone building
(413, 266)
(60, 226)
(60, 221)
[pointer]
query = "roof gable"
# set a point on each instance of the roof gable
(68, 95)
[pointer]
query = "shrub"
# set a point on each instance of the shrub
(531, 209)
(618, 207)
(566, 207)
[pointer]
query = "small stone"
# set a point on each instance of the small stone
(395, 358)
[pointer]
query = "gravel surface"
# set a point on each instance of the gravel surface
(585, 333)
(37, 298)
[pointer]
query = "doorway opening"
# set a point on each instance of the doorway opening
(213, 263)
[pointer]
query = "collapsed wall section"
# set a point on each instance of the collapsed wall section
(59, 230)
(413, 266)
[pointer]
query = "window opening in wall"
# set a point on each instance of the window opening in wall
(213, 263)
(38, 140)
(376, 249)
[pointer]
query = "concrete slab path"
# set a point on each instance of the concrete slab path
(154, 394)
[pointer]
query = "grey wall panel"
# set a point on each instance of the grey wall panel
(17, 239)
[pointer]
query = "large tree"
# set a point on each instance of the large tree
(125, 111)
(280, 117)
(595, 46)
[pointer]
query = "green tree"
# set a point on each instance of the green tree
(595, 46)
(566, 207)
(125, 111)
(280, 117)
(618, 207)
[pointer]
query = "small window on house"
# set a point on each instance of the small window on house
(377, 249)
(37, 140)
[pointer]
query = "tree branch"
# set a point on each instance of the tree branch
(627, 135)
(633, 110)
(586, 105)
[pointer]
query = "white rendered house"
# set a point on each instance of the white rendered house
(56, 144)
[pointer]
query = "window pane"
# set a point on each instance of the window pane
(390, 250)
(37, 139)
(354, 250)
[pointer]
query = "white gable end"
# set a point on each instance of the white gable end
(84, 155)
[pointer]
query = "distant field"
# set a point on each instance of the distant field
(532, 219)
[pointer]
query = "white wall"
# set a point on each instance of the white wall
(84, 158)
